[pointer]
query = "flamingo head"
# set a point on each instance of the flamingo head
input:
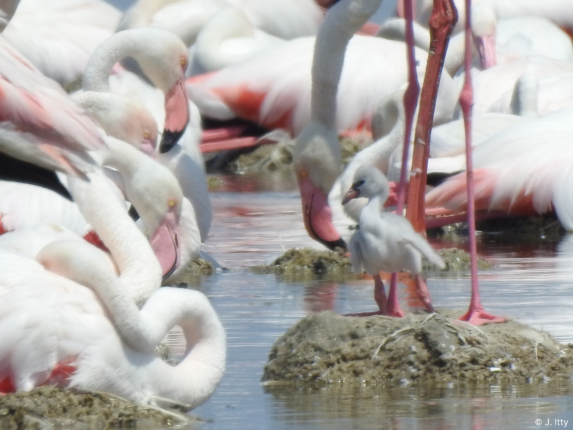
(168, 74)
(157, 196)
(316, 161)
(130, 121)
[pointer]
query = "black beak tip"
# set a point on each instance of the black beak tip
(336, 244)
(169, 140)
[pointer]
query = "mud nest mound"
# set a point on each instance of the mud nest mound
(278, 156)
(307, 263)
(328, 348)
(457, 260)
(194, 271)
(48, 407)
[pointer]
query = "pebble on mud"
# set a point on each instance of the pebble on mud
(48, 407)
(327, 348)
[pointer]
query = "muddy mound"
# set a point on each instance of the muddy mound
(457, 260)
(307, 263)
(278, 156)
(328, 348)
(47, 407)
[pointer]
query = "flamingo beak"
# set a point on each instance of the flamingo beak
(318, 215)
(352, 193)
(486, 50)
(165, 244)
(176, 116)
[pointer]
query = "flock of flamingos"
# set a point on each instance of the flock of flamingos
(80, 297)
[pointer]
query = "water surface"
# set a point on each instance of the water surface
(530, 281)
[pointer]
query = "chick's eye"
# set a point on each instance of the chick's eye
(359, 183)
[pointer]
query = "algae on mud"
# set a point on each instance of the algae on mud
(301, 264)
(278, 156)
(48, 406)
(307, 263)
(327, 348)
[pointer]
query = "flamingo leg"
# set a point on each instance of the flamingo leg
(442, 21)
(410, 102)
(423, 293)
(476, 314)
(380, 294)
(393, 308)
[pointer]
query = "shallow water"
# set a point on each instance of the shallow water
(530, 281)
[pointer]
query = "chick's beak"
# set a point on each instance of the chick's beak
(352, 193)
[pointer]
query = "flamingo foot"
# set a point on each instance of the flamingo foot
(477, 315)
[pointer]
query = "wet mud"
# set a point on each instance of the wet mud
(278, 156)
(51, 407)
(328, 348)
(301, 264)
(545, 228)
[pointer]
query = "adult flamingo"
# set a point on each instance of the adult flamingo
(524, 170)
(162, 57)
(258, 90)
(495, 41)
(168, 218)
(57, 332)
(228, 38)
(126, 120)
(558, 11)
(286, 19)
(57, 133)
(59, 36)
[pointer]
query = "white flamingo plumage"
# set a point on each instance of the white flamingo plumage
(59, 36)
(524, 170)
(261, 91)
(57, 332)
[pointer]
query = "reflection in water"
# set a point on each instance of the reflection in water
(529, 282)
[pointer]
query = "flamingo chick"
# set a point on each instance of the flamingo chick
(386, 241)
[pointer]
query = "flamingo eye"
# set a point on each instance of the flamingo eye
(183, 62)
(171, 202)
(146, 134)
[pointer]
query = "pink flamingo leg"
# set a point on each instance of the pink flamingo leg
(380, 294)
(424, 293)
(476, 314)
(393, 308)
(410, 102)
(442, 22)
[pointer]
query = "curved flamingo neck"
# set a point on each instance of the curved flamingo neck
(113, 50)
(342, 21)
(138, 267)
(194, 379)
